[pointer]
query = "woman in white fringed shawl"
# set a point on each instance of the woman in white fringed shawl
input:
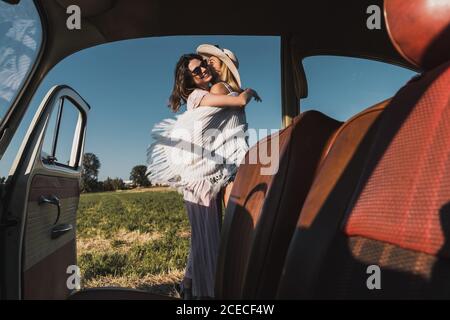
(198, 153)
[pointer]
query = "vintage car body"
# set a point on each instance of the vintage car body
(374, 190)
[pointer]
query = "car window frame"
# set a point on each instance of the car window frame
(82, 120)
(304, 83)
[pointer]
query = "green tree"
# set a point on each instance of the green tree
(98, 186)
(113, 184)
(108, 184)
(139, 177)
(118, 184)
(89, 173)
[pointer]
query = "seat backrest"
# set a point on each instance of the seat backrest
(388, 205)
(263, 209)
(329, 194)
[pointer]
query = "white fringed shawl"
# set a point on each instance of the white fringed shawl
(184, 155)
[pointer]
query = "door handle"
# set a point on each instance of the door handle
(61, 229)
(54, 200)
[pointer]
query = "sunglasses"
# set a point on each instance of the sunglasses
(198, 70)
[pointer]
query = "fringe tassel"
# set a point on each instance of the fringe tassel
(162, 170)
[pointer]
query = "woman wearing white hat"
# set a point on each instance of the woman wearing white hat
(224, 62)
(185, 157)
(224, 65)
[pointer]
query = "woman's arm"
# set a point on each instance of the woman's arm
(223, 100)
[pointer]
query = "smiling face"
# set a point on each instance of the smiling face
(215, 64)
(200, 73)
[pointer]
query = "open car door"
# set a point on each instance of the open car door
(38, 234)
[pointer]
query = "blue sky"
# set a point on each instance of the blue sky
(128, 84)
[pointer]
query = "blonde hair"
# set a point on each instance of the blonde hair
(228, 77)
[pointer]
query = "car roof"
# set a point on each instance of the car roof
(313, 27)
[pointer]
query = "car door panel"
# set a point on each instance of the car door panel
(38, 280)
(40, 256)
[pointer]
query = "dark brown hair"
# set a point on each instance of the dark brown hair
(184, 83)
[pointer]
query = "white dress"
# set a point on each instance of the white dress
(205, 169)
(200, 150)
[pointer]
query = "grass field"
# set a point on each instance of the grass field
(133, 239)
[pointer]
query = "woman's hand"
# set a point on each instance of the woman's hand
(248, 94)
(254, 94)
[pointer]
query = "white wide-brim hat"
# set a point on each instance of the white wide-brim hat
(225, 55)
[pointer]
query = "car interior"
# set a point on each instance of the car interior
(372, 190)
